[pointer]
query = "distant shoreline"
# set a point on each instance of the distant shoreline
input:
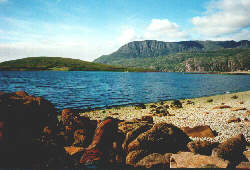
(228, 73)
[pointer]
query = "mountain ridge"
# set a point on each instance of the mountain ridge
(151, 52)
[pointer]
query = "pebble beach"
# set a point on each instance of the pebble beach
(194, 112)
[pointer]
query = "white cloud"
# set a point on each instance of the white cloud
(127, 34)
(223, 17)
(164, 30)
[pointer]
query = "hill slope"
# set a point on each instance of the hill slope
(182, 56)
(59, 64)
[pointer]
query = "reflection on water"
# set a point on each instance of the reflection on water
(101, 89)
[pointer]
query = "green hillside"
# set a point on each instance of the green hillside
(59, 64)
(185, 56)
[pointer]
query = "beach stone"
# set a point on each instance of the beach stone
(148, 118)
(191, 160)
(154, 160)
(133, 134)
(233, 119)
(232, 149)
(161, 138)
(199, 131)
(135, 156)
(247, 113)
(201, 147)
(222, 107)
(243, 165)
(238, 108)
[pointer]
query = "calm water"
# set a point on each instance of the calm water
(84, 90)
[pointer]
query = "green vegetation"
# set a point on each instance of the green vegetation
(60, 64)
(188, 56)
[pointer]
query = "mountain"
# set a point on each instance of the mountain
(59, 64)
(184, 56)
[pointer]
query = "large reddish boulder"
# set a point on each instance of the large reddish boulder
(199, 131)
(191, 160)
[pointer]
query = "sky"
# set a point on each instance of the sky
(87, 29)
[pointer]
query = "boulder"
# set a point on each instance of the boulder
(80, 136)
(199, 131)
(133, 157)
(154, 160)
(161, 138)
(191, 160)
(233, 119)
(201, 147)
(222, 107)
(127, 126)
(232, 149)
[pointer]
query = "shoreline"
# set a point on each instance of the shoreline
(195, 112)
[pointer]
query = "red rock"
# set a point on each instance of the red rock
(199, 131)
(233, 119)
(154, 160)
(238, 108)
(190, 160)
(222, 107)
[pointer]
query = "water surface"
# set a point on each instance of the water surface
(86, 89)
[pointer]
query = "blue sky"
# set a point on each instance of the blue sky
(87, 29)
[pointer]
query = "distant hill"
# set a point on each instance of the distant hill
(59, 64)
(184, 56)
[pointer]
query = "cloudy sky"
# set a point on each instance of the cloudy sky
(87, 29)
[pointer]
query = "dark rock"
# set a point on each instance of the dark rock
(232, 149)
(141, 106)
(133, 157)
(233, 119)
(147, 118)
(222, 107)
(201, 147)
(161, 138)
(199, 131)
(176, 104)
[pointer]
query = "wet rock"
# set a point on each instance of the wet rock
(238, 108)
(201, 147)
(161, 138)
(133, 157)
(222, 107)
(199, 131)
(233, 119)
(232, 149)
(154, 160)
(190, 160)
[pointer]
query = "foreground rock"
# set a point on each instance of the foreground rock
(190, 160)
(201, 147)
(231, 150)
(199, 131)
